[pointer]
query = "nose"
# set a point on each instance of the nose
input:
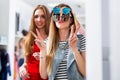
(60, 16)
(38, 18)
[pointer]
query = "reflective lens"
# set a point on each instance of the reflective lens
(66, 10)
(56, 10)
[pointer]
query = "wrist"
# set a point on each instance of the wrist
(42, 57)
(76, 50)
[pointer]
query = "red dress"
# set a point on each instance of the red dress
(33, 66)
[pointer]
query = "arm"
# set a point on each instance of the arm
(80, 60)
(80, 56)
(43, 65)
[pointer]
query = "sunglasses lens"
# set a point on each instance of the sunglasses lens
(56, 10)
(66, 11)
(56, 17)
(65, 17)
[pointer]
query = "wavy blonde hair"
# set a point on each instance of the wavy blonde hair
(29, 40)
(53, 39)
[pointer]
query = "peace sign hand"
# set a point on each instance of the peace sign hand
(39, 41)
(73, 40)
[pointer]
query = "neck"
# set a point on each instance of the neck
(43, 33)
(63, 34)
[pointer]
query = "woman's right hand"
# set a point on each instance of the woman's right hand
(23, 71)
(39, 41)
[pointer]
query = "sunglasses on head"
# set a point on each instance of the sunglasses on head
(66, 14)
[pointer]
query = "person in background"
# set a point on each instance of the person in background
(63, 58)
(19, 52)
(24, 32)
(5, 63)
(39, 24)
(20, 48)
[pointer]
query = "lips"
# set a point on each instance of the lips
(60, 21)
(39, 24)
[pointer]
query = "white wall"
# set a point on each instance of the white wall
(11, 35)
(25, 12)
(105, 39)
(103, 17)
(114, 39)
(94, 40)
(4, 17)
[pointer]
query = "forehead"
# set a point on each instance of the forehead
(61, 8)
(39, 12)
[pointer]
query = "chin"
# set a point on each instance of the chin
(39, 27)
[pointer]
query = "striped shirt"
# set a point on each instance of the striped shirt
(83, 43)
(62, 67)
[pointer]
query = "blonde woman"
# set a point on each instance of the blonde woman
(40, 21)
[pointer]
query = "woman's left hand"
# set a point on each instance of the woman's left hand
(73, 40)
(36, 55)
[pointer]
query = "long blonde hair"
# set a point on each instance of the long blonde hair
(29, 40)
(53, 41)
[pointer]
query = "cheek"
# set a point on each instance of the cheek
(35, 20)
(67, 23)
(44, 21)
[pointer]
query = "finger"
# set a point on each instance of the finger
(27, 75)
(37, 57)
(40, 43)
(22, 74)
(73, 42)
(37, 42)
(35, 54)
(21, 71)
(34, 34)
(73, 37)
(39, 36)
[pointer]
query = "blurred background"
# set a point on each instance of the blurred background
(100, 18)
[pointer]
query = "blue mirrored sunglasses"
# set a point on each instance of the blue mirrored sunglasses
(65, 11)
(65, 14)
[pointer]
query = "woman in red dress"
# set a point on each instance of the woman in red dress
(40, 22)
